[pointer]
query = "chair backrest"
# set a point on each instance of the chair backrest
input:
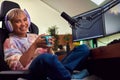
(5, 7)
(3, 36)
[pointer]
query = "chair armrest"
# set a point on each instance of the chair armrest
(10, 72)
(13, 75)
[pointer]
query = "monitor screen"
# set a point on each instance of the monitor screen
(88, 28)
(112, 20)
(105, 24)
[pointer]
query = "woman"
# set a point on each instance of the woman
(29, 51)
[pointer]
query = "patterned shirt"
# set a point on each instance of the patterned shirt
(15, 46)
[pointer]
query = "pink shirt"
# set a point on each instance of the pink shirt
(14, 47)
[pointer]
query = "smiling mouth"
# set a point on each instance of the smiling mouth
(23, 28)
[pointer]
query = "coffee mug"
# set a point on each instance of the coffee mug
(47, 37)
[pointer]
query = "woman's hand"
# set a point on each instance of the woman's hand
(40, 42)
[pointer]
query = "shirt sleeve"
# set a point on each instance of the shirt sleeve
(12, 55)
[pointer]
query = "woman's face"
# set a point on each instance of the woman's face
(20, 25)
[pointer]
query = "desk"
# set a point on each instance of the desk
(105, 62)
(103, 52)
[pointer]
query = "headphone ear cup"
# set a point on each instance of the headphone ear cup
(10, 26)
(28, 17)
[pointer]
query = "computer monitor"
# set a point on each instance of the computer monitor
(102, 25)
(88, 28)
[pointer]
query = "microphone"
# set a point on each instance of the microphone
(68, 18)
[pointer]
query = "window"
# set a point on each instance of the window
(98, 2)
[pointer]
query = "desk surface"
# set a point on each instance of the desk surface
(110, 51)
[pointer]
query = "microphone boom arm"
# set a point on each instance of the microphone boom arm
(105, 8)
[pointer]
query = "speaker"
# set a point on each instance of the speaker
(8, 23)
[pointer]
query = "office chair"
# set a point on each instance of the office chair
(5, 72)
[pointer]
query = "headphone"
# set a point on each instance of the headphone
(8, 23)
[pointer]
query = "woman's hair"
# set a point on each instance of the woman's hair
(13, 13)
